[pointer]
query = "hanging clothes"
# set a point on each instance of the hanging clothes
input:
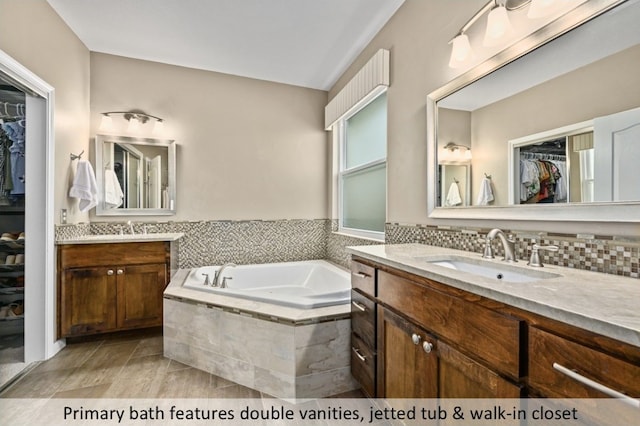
(6, 183)
(541, 179)
(15, 132)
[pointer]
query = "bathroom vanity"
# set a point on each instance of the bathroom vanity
(112, 283)
(421, 330)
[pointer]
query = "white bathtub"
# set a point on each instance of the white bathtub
(308, 284)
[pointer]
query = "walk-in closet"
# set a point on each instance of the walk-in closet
(12, 222)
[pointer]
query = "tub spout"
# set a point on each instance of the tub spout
(218, 278)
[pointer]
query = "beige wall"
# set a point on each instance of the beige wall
(247, 149)
(35, 36)
(417, 37)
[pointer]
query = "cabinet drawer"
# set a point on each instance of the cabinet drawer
(549, 354)
(486, 334)
(363, 365)
(82, 255)
(363, 318)
(363, 278)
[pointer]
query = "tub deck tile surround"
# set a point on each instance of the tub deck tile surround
(285, 352)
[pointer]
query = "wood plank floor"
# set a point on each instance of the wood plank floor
(129, 365)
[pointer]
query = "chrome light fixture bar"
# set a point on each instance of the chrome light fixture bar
(454, 152)
(135, 118)
(498, 25)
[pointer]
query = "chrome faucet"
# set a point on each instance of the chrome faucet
(131, 227)
(509, 245)
(218, 276)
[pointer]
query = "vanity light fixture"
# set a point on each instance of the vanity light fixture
(498, 25)
(135, 118)
(454, 152)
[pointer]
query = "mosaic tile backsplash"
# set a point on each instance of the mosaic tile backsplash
(257, 241)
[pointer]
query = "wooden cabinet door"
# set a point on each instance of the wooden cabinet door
(405, 369)
(88, 301)
(139, 290)
(461, 377)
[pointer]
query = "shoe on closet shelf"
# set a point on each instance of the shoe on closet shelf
(19, 259)
(8, 236)
(10, 260)
(20, 237)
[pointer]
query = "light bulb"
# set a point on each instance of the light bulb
(158, 127)
(467, 154)
(106, 123)
(134, 125)
(460, 50)
(497, 25)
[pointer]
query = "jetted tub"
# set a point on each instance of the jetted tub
(306, 285)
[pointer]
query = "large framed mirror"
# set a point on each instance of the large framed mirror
(135, 176)
(566, 99)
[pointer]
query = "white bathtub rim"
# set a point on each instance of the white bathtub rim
(308, 289)
(175, 290)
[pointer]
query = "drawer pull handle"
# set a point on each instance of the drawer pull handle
(120, 272)
(427, 347)
(360, 275)
(595, 385)
(415, 338)
(358, 354)
(359, 306)
(110, 272)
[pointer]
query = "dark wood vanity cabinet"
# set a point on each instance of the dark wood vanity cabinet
(110, 287)
(477, 347)
(363, 327)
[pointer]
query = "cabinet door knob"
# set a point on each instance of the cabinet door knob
(120, 272)
(427, 347)
(110, 272)
(416, 338)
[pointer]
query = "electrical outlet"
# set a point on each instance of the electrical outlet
(63, 216)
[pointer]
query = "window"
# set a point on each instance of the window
(362, 179)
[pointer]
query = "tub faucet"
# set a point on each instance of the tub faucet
(509, 245)
(218, 276)
(131, 227)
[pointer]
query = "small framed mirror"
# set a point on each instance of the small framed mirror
(135, 176)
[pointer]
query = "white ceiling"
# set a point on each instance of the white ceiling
(307, 43)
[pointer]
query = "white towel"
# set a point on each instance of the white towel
(84, 186)
(486, 193)
(453, 196)
(113, 195)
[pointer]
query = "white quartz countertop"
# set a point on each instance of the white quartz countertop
(601, 303)
(117, 238)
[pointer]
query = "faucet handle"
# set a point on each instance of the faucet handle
(488, 251)
(224, 281)
(207, 281)
(534, 260)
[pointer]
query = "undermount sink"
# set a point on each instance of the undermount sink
(494, 270)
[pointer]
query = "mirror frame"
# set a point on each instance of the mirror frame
(171, 147)
(585, 212)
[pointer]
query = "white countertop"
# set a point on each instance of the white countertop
(127, 238)
(601, 303)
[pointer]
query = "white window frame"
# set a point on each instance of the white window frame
(340, 128)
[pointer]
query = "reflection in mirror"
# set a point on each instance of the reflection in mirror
(546, 126)
(135, 176)
(454, 185)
